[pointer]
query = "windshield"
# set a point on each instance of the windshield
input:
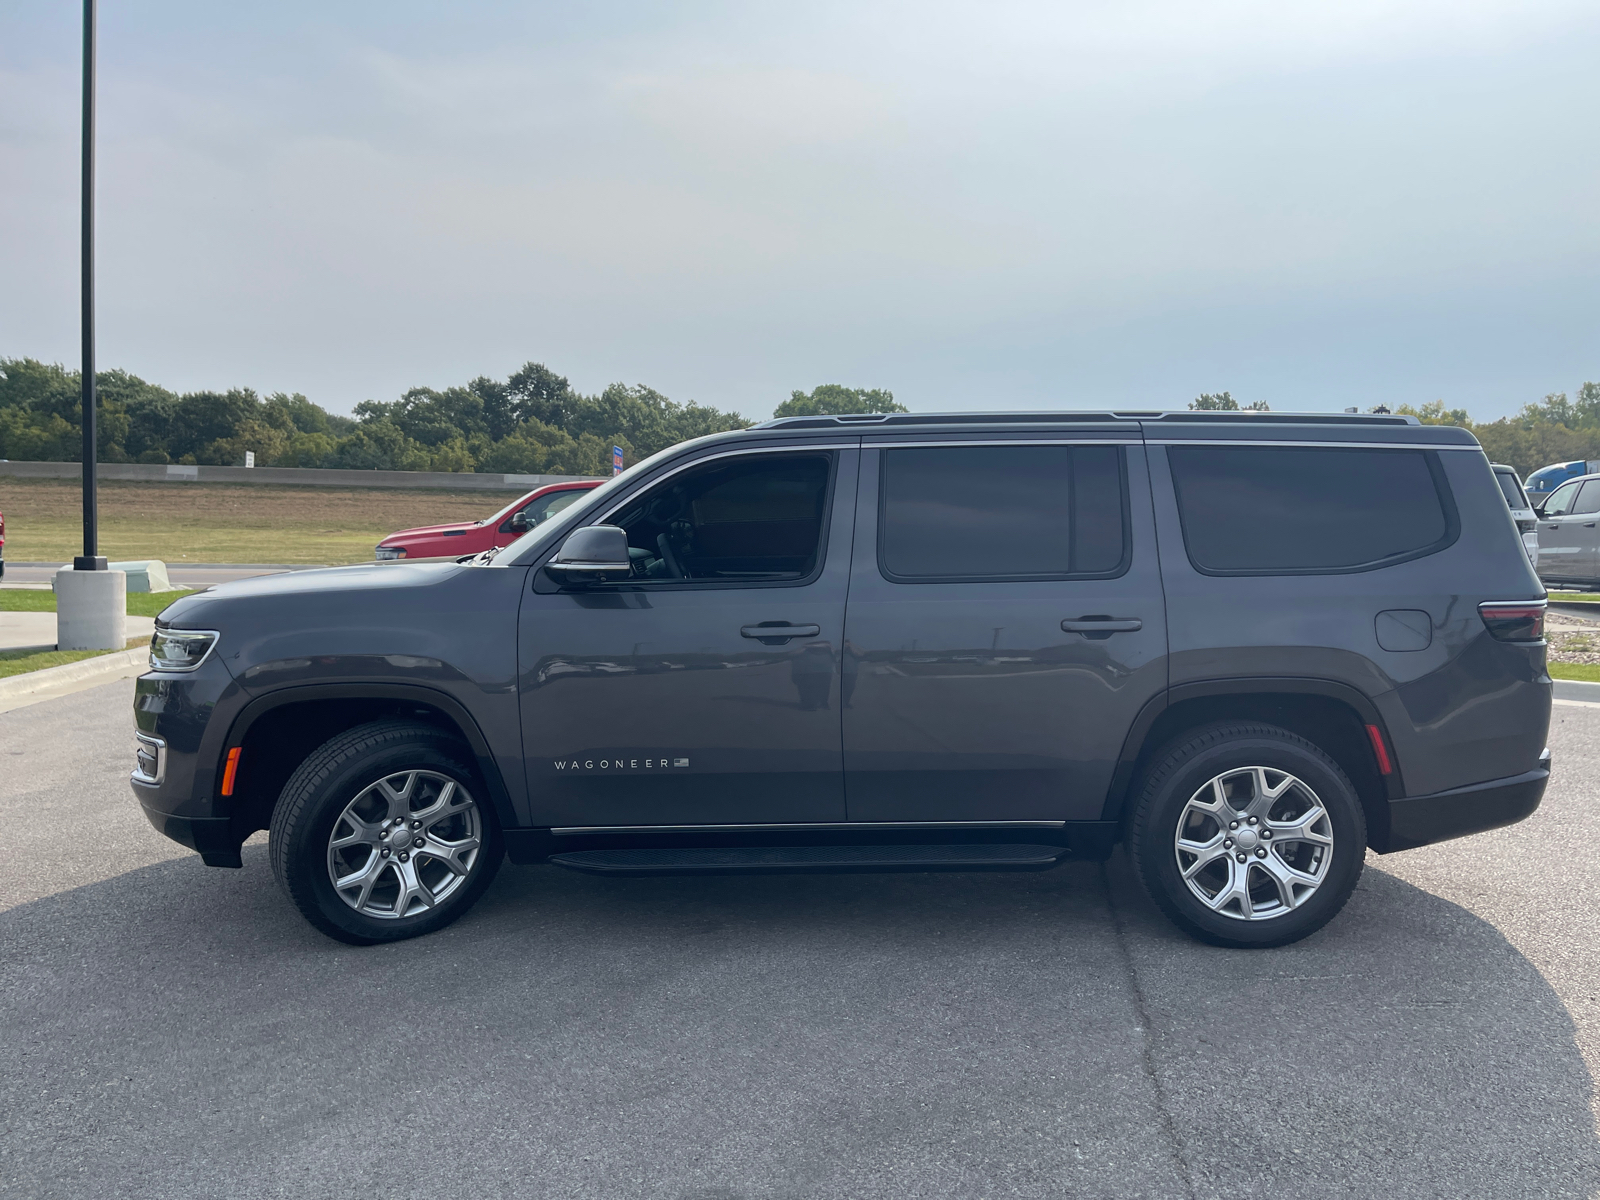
(1512, 489)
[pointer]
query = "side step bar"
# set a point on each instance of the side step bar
(782, 860)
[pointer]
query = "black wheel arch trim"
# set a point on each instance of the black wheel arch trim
(494, 781)
(1136, 743)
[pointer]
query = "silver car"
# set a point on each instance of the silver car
(1569, 533)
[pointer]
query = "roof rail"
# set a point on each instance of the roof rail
(1069, 417)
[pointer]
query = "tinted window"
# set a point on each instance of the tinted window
(1589, 498)
(1561, 499)
(753, 519)
(545, 507)
(1266, 510)
(1001, 512)
(1512, 489)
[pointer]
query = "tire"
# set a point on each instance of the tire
(410, 879)
(1304, 841)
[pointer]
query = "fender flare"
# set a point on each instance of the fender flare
(1135, 744)
(494, 781)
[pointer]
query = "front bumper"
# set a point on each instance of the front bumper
(1422, 820)
(213, 837)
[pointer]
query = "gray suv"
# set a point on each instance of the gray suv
(1247, 646)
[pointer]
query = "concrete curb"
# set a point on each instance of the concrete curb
(1577, 689)
(108, 665)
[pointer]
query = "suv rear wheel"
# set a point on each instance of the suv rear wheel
(384, 833)
(1247, 835)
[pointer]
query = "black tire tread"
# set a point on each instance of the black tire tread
(1175, 756)
(321, 765)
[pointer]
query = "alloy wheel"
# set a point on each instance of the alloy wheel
(1254, 843)
(406, 843)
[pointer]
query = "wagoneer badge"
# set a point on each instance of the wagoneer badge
(620, 764)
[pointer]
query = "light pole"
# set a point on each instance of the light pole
(90, 559)
(91, 602)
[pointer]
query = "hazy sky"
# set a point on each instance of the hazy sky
(986, 205)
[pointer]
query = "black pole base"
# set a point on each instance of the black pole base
(98, 563)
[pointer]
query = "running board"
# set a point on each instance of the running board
(784, 860)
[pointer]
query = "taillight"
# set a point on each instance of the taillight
(1514, 621)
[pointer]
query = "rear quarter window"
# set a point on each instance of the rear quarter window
(1308, 510)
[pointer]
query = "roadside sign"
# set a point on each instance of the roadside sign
(249, 458)
(616, 460)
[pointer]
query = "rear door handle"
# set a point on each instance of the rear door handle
(1103, 626)
(775, 633)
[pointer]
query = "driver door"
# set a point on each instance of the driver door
(702, 690)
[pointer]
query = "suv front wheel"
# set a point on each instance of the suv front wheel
(1247, 835)
(384, 833)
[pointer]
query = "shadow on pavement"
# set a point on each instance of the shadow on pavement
(179, 1031)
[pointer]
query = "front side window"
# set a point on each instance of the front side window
(1270, 510)
(1560, 503)
(1588, 498)
(954, 514)
(541, 510)
(749, 519)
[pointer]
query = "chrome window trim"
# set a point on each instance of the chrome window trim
(1019, 440)
(1205, 441)
(159, 747)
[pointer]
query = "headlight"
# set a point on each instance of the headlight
(180, 649)
(385, 553)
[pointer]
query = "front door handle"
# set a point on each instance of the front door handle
(1102, 627)
(775, 633)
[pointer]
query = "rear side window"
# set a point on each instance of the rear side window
(1512, 489)
(1269, 510)
(965, 513)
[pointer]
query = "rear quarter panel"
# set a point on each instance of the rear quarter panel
(1464, 710)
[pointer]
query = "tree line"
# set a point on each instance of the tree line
(1556, 429)
(533, 422)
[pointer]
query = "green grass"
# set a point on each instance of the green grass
(140, 604)
(13, 663)
(1576, 597)
(1584, 672)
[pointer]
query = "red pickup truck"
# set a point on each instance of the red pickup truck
(472, 537)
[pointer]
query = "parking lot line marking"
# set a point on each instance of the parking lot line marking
(1578, 703)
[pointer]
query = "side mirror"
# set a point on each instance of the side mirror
(1538, 509)
(592, 554)
(519, 522)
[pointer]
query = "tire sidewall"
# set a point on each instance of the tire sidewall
(1158, 862)
(305, 858)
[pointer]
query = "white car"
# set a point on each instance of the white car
(1521, 509)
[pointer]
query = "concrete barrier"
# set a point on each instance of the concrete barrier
(287, 476)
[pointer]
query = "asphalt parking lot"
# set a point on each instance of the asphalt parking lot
(171, 1030)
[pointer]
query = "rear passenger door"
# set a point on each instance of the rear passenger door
(1005, 625)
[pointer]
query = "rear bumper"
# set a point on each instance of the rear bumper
(1422, 820)
(213, 837)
